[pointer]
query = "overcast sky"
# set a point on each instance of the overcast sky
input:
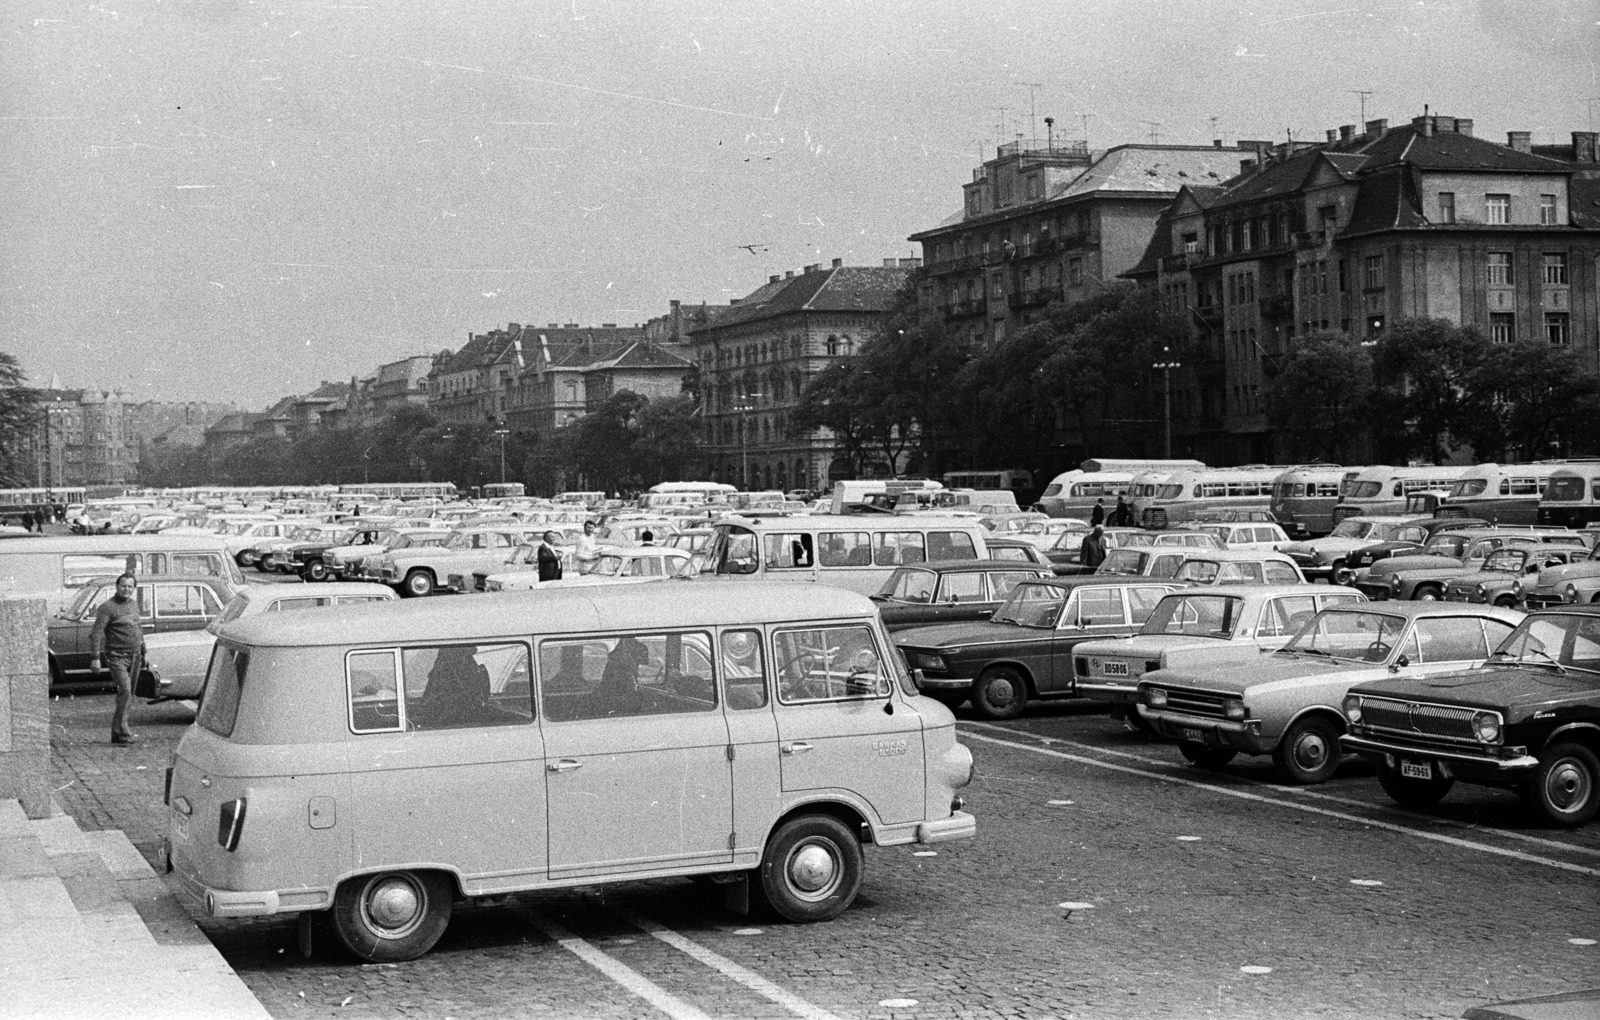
(231, 200)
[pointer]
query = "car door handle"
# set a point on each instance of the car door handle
(564, 765)
(798, 747)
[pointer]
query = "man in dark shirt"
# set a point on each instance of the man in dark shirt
(1093, 551)
(118, 640)
(549, 558)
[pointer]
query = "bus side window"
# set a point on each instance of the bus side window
(892, 548)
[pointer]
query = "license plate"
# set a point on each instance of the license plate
(1416, 769)
(1114, 668)
(1195, 736)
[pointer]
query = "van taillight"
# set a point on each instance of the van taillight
(230, 824)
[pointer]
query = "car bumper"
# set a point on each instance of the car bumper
(943, 683)
(227, 903)
(1112, 693)
(1455, 761)
(959, 825)
(1240, 736)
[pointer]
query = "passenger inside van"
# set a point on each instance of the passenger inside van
(618, 690)
(457, 694)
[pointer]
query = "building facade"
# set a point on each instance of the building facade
(84, 438)
(756, 359)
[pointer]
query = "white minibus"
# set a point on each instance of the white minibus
(1304, 496)
(1501, 493)
(1382, 489)
(880, 492)
(374, 764)
(1572, 497)
(1165, 498)
(854, 552)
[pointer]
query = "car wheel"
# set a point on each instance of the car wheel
(812, 868)
(1341, 574)
(1309, 751)
(263, 564)
(1201, 756)
(419, 583)
(243, 558)
(1506, 602)
(999, 693)
(1427, 593)
(1563, 788)
(316, 570)
(393, 915)
(1408, 791)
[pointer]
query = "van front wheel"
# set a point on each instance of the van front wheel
(812, 868)
(393, 915)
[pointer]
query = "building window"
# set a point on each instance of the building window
(1447, 207)
(1547, 210)
(1500, 267)
(1374, 272)
(1074, 271)
(1344, 278)
(1555, 329)
(1497, 208)
(1555, 267)
(1502, 327)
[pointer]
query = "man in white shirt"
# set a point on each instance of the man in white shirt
(585, 551)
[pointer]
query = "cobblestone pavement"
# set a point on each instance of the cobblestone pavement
(1359, 909)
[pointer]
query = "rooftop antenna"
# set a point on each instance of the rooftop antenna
(1083, 119)
(1592, 100)
(1033, 88)
(1363, 93)
(1214, 121)
(1155, 130)
(1000, 128)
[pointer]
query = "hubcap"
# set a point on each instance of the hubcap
(1567, 786)
(813, 868)
(394, 906)
(1002, 691)
(1311, 752)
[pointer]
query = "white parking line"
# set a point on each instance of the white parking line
(614, 969)
(1298, 791)
(1310, 809)
(733, 971)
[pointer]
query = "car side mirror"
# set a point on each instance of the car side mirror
(1401, 663)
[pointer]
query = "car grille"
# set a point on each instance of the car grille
(1543, 600)
(1195, 703)
(1409, 717)
(1375, 591)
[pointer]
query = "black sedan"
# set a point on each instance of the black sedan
(950, 590)
(1024, 650)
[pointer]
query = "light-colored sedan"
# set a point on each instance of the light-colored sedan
(1288, 704)
(640, 562)
(182, 656)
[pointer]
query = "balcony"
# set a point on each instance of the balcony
(960, 309)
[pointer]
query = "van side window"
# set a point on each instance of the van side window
(219, 709)
(744, 681)
(455, 686)
(83, 569)
(1280, 573)
(845, 549)
(828, 664)
(627, 675)
(194, 565)
(951, 545)
(372, 681)
(1142, 602)
(185, 601)
(892, 548)
(786, 552)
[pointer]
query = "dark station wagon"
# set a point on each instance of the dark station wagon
(1024, 650)
(949, 591)
(165, 604)
(1528, 720)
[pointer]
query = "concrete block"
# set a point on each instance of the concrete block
(60, 835)
(24, 706)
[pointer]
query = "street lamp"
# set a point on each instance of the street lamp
(1167, 364)
(502, 432)
(745, 404)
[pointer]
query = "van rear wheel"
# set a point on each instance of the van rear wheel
(812, 868)
(393, 915)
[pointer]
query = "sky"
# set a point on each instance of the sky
(234, 200)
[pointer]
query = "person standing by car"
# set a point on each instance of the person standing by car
(549, 558)
(1122, 517)
(586, 551)
(1092, 552)
(1098, 514)
(118, 640)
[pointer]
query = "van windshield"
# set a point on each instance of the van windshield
(219, 705)
(733, 551)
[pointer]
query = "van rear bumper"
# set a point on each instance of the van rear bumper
(959, 825)
(227, 903)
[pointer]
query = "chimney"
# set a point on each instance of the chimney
(514, 328)
(1586, 146)
(554, 325)
(675, 304)
(788, 274)
(1216, 143)
(1332, 135)
(1522, 141)
(1347, 132)
(837, 263)
(774, 278)
(608, 325)
(1464, 126)
(570, 325)
(912, 263)
(813, 267)
(888, 263)
(1377, 128)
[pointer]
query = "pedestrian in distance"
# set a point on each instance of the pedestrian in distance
(549, 558)
(1098, 514)
(1123, 516)
(648, 538)
(117, 639)
(1092, 552)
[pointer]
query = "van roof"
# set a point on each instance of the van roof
(600, 607)
(121, 543)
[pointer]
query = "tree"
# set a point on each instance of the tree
(1527, 400)
(914, 391)
(834, 400)
(1320, 394)
(20, 422)
(1422, 367)
(669, 438)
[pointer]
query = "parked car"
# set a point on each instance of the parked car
(1578, 581)
(272, 555)
(243, 539)
(1425, 576)
(1328, 558)
(1024, 650)
(1042, 534)
(1432, 527)
(1143, 561)
(1498, 581)
(1191, 628)
(949, 590)
(1528, 720)
(644, 562)
(165, 604)
(182, 656)
(1289, 704)
(1240, 515)
(420, 571)
(1265, 537)
(1016, 550)
(370, 566)
(1064, 552)
(1227, 566)
(309, 559)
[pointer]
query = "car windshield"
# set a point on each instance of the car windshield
(1482, 548)
(458, 540)
(908, 584)
(1446, 545)
(1352, 529)
(1363, 637)
(1123, 561)
(1031, 605)
(1212, 616)
(1508, 560)
(1560, 640)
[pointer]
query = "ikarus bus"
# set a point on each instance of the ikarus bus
(1502, 493)
(1304, 496)
(1383, 489)
(1074, 493)
(1572, 497)
(1162, 499)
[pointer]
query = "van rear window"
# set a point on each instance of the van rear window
(219, 706)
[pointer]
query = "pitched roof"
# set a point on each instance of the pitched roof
(643, 355)
(1153, 169)
(1583, 199)
(1446, 150)
(1283, 177)
(841, 289)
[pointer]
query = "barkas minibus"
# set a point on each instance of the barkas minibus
(1074, 493)
(854, 552)
(1162, 499)
(376, 764)
(1382, 490)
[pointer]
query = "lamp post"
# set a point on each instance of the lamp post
(745, 404)
(502, 432)
(1167, 364)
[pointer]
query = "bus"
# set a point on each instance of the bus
(1074, 493)
(855, 552)
(681, 494)
(504, 490)
(401, 490)
(1164, 498)
(1572, 497)
(1014, 480)
(1382, 489)
(1304, 496)
(21, 501)
(1501, 493)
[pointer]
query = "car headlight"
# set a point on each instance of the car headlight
(1482, 589)
(1155, 697)
(1516, 588)
(1352, 708)
(1570, 593)
(1486, 726)
(928, 660)
(1233, 709)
